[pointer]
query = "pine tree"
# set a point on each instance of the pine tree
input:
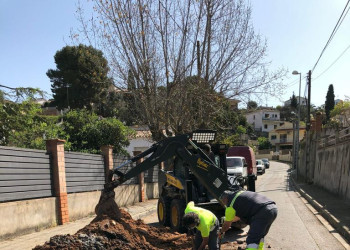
(329, 104)
(294, 102)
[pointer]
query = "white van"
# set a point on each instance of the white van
(236, 165)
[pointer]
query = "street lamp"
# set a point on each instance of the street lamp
(297, 125)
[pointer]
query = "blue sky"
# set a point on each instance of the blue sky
(32, 31)
(296, 32)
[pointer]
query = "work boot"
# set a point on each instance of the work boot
(261, 244)
(252, 246)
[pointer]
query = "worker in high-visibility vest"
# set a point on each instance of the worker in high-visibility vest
(254, 209)
(207, 226)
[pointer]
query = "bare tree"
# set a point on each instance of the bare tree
(168, 44)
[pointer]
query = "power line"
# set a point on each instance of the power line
(332, 63)
(294, 82)
(340, 20)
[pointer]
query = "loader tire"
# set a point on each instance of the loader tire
(177, 210)
(163, 211)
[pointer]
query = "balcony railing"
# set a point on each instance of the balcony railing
(283, 140)
(270, 118)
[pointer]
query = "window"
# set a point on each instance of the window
(254, 117)
(265, 126)
(273, 137)
(267, 115)
(274, 126)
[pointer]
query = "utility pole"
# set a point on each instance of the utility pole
(308, 125)
(297, 127)
(294, 145)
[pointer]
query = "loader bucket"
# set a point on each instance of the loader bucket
(106, 206)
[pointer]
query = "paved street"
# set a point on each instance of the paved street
(296, 227)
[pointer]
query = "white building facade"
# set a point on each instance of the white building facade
(264, 120)
(303, 101)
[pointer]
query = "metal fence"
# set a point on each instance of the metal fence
(84, 172)
(118, 160)
(150, 175)
(24, 174)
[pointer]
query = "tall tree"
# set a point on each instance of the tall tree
(294, 102)
(81, 78)
(329, 104)
(252, 105)
(164, 42)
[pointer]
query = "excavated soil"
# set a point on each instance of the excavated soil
(124, 233)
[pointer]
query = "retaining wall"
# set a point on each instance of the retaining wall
(328, 162)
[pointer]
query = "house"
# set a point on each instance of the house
(303, 101)
(264, 120)
(282, 137)
(234, 103)
(141, 141)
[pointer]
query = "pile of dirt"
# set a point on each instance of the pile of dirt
(123, 233)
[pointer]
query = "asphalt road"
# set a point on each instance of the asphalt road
(296, 226)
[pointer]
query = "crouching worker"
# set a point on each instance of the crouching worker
(252, 208)
(207, 226)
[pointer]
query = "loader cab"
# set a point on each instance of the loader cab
(214, 153)
(182, 185)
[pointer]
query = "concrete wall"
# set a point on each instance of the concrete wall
(259, 156)
(17, 218)
(27, 216)
(332, 169)
(82, 204)
(285, 157)
(151, 190)
(328, 166)
(264, 154)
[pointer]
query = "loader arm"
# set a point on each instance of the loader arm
(208, 174)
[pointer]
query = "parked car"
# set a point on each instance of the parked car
(260, 166)
(266, 162)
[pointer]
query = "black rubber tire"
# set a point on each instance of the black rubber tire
(177, 210)
(163, 211)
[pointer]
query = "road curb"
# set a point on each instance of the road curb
(140, 215)
(342, 229)
(140, 210)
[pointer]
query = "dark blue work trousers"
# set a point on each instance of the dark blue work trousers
(260, 223)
